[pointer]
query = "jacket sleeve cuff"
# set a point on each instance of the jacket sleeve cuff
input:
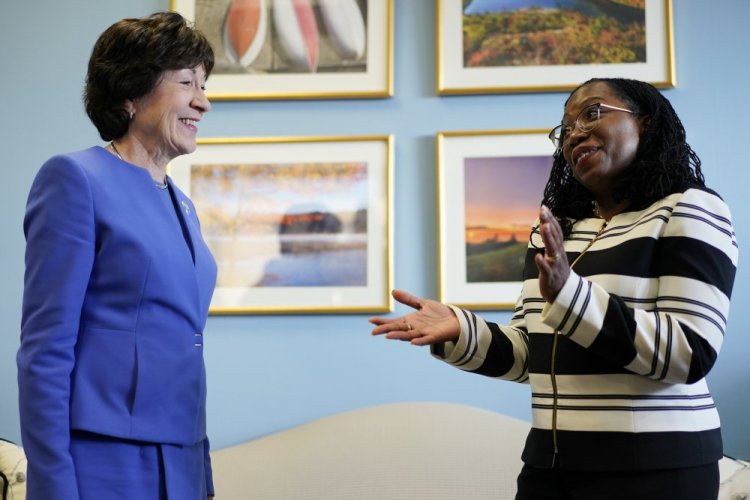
(578, 311)
(554, 314)
(451, 352)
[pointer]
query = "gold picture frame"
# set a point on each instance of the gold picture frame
(296, 224)
(490, 187)
(481, 51)
(318, 49)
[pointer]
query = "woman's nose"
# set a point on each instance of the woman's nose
(575, 135)
(201, 102)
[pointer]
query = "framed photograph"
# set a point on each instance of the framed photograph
(296, 49)
(490, 188)
(495, 46)
(296, 224)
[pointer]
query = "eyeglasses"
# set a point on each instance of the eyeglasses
(586, 121)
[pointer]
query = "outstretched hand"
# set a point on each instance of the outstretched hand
(431, 322)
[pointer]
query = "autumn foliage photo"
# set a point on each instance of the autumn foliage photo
(553, 32)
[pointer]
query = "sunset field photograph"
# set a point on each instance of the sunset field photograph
(502, 196)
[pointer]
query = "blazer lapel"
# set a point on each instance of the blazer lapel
(203, 261)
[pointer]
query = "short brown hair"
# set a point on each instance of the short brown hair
(128, 60)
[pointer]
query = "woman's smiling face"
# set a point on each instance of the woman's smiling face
(166, 119)
(599, 156)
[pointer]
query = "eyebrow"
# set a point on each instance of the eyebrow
(194, 72)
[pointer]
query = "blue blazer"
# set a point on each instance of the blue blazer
(116, 296)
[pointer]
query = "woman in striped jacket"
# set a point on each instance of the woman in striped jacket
(626, 289)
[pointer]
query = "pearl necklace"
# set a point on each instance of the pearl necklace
(159, 185)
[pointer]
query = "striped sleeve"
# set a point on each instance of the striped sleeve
(487, 348)
(677, 339)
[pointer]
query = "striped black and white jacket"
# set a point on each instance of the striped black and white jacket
(617, 363)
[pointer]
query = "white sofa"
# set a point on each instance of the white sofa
(402, 451)
(408, 451)
(12, 471)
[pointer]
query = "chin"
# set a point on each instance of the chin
(188, 149)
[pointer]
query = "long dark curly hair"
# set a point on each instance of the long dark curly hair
(664, 162)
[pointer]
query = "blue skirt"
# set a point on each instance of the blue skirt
(109, 468)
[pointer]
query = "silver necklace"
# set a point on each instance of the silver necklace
(159, 185)
(115, 151)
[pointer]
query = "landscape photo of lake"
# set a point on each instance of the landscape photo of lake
(502, 198)
(285, 225)
(553, 32)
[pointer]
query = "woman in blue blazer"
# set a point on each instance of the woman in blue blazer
(118, 282)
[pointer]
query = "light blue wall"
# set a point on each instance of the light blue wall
(270, 373)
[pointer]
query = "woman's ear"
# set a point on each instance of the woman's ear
(129, 107)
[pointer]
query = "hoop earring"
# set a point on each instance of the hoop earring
(132, 114)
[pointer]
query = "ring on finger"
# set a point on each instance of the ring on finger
(408, 326)
(552, 257)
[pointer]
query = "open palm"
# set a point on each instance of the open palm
(430, 323)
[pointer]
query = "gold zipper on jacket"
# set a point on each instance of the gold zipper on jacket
(553, 378)
(554, 399)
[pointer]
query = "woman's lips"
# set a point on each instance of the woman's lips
(582, 154)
